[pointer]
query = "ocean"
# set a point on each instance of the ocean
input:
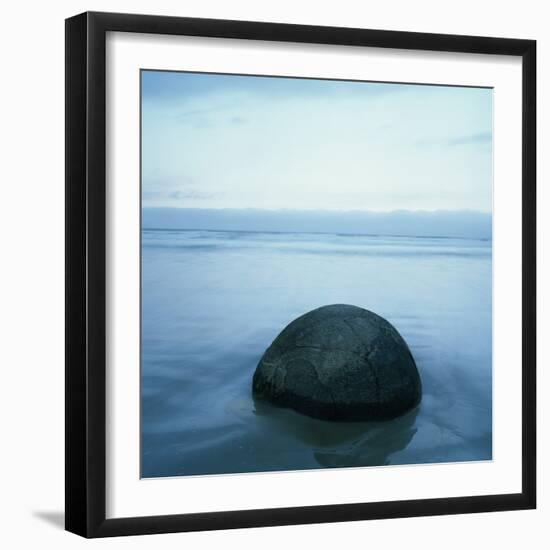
(213, 301)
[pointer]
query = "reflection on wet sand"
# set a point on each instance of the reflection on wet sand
(342, 444)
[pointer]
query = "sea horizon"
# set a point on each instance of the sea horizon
(406, 223)
(340, 233)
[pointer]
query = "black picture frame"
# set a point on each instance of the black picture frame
(86, 274)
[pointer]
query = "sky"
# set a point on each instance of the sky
(228, 141)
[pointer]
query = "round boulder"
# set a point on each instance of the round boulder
(339, 362)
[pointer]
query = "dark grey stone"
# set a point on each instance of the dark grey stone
(339, 362)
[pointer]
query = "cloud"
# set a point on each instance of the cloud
(160, 191)
(480, 138)
(238, 120)
(198, 112)
(472, 139)
(189, 194)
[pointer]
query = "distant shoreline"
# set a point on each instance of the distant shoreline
(399, 223)
(341, 234)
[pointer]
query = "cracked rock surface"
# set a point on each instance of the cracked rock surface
(339, 362)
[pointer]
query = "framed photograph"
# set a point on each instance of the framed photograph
(300, 274)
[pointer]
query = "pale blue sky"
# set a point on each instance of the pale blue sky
(225, 141)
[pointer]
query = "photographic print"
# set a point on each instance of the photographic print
(316, 274)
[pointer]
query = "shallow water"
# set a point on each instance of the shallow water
(213, 301)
